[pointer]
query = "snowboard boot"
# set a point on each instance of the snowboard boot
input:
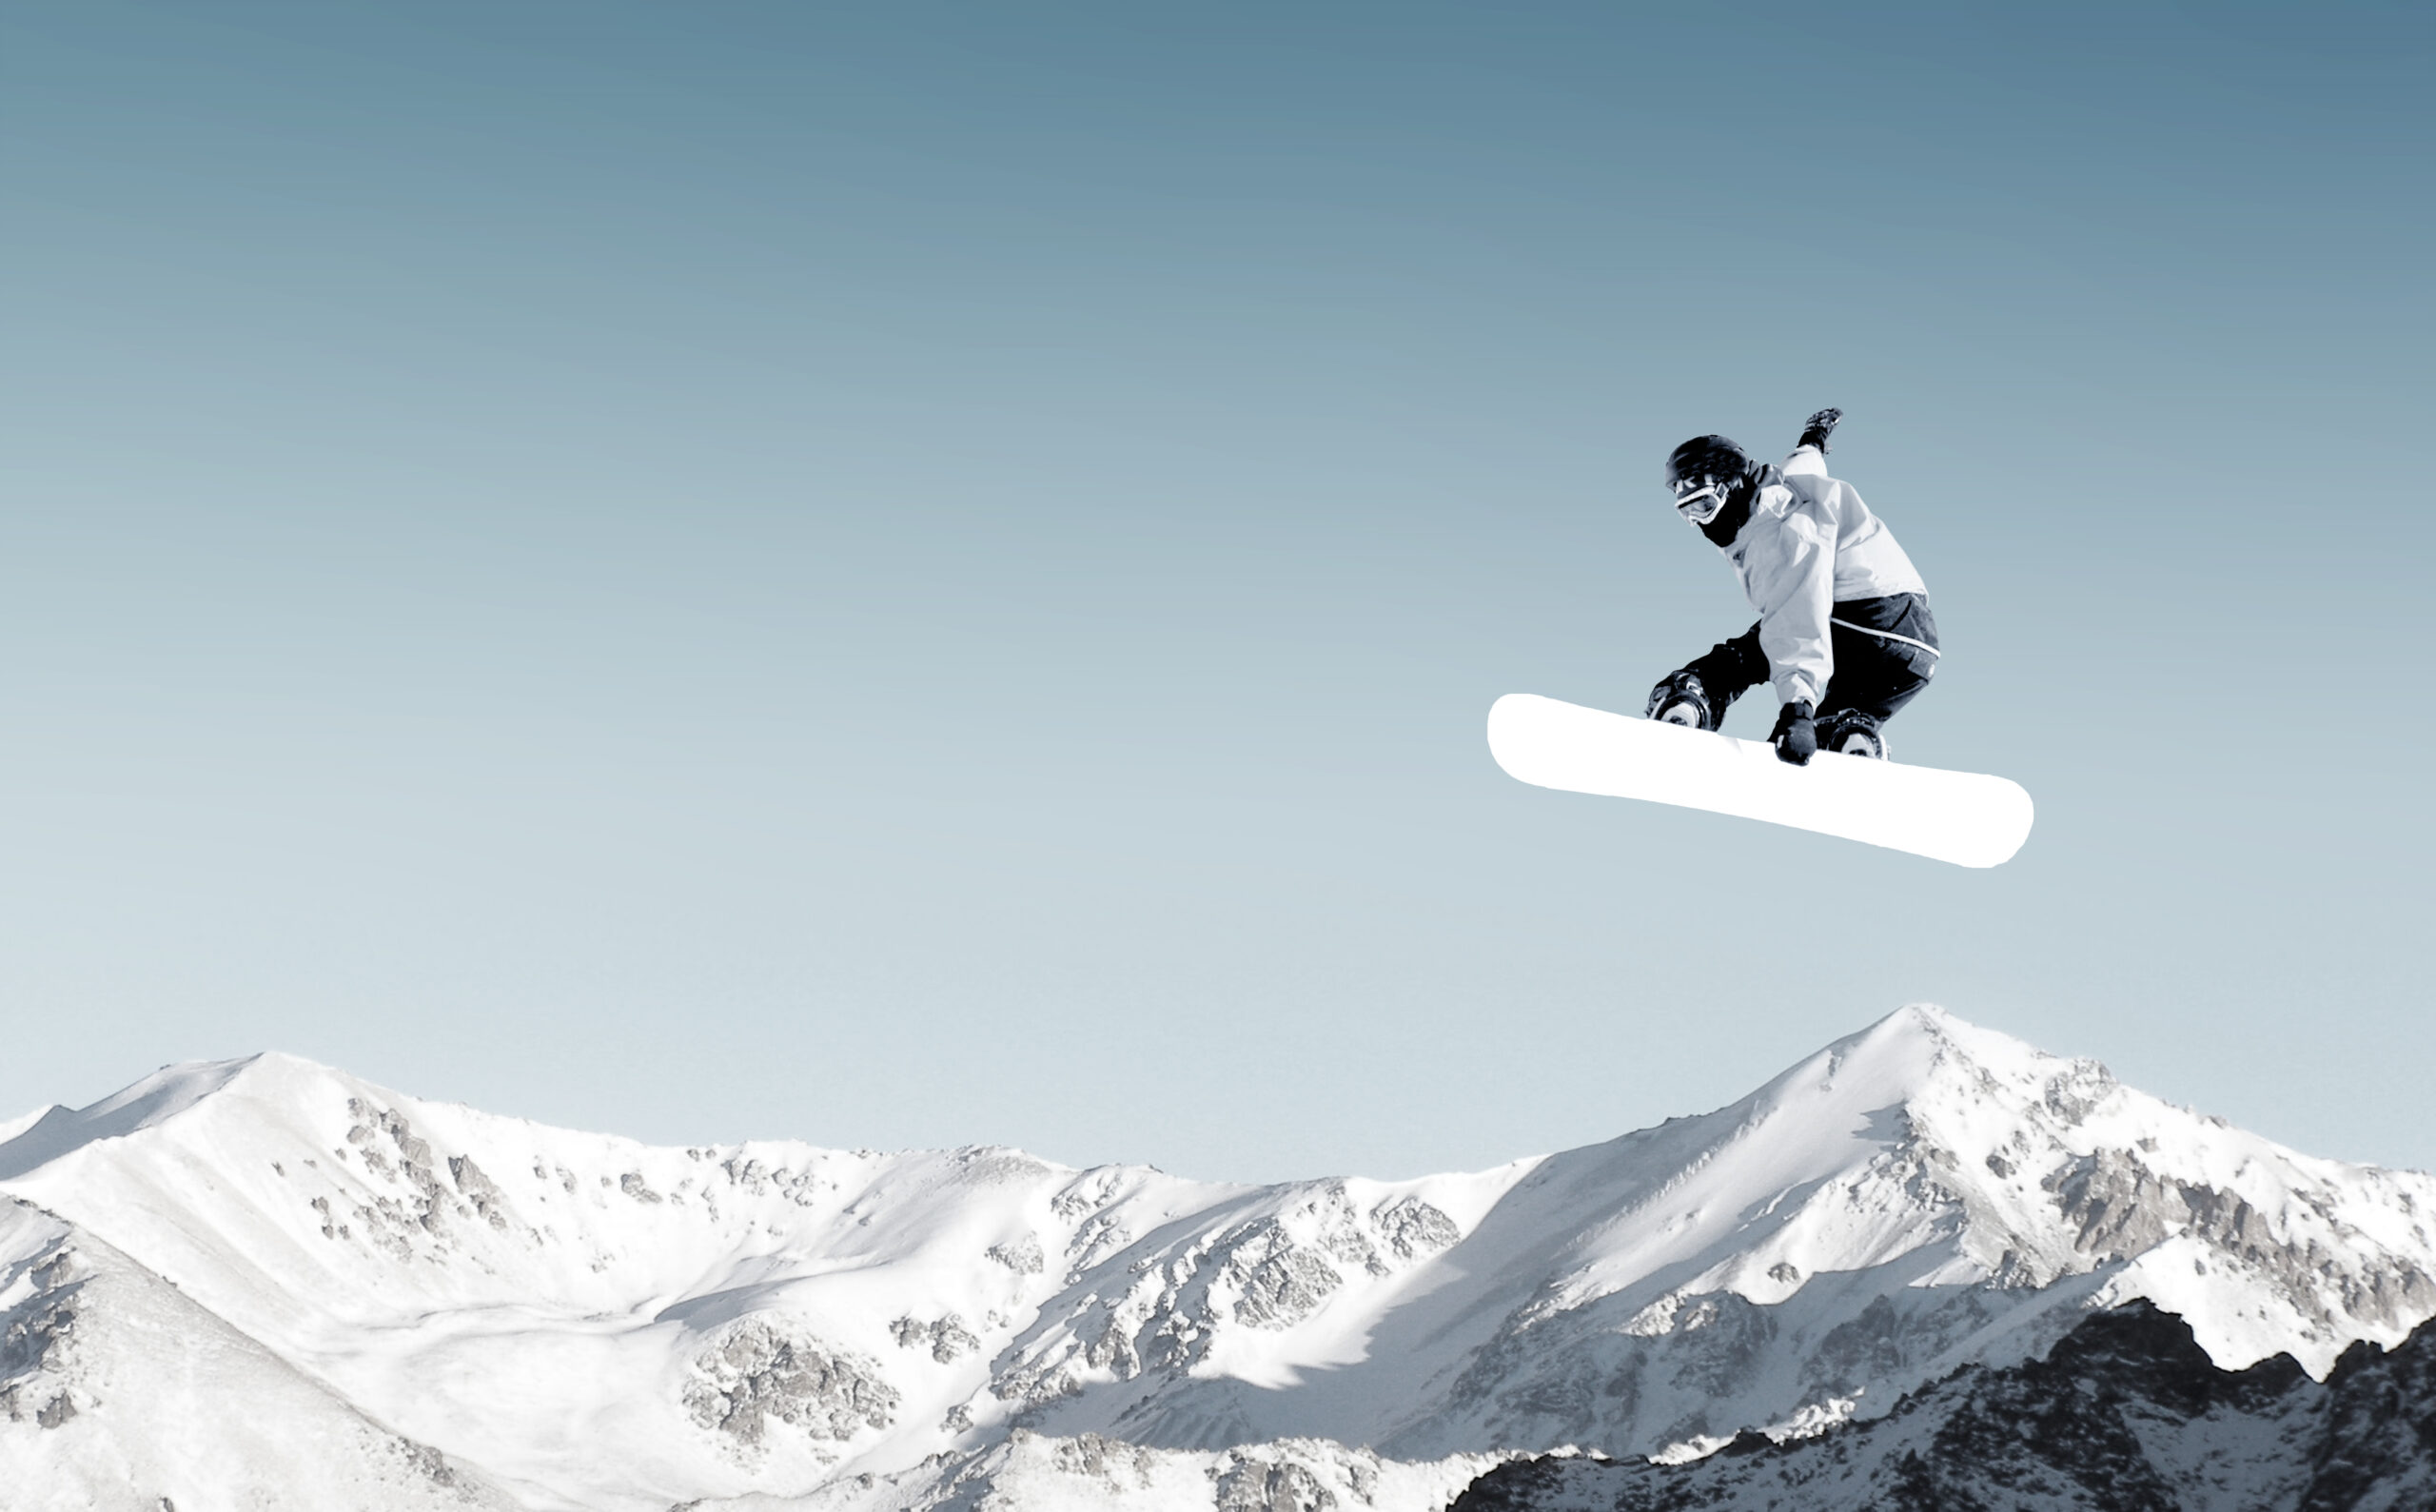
(1683, 699)
(1852, 732)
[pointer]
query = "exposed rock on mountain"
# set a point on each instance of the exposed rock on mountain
(582, 1321)
(2126, 1414)
(759, 1370)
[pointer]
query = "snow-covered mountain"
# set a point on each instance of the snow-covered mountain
(523, 1315)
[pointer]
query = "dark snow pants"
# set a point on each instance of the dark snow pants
(1875, 673)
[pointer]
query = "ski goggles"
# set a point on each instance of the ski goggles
(1698, 500)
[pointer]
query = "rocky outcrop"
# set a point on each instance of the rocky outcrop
(2126, 1414)
(35, 1336)
(761, 1371)
(946, 1338)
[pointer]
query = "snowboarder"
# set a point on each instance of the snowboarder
(1844, 629)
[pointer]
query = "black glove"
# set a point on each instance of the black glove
(1794, 738)
(1816, 430)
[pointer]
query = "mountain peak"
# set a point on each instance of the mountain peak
(1951, 1079)
(1919, 1041)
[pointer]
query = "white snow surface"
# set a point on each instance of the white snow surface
(565, 1319)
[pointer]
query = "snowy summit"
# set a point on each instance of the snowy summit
(265, 1281)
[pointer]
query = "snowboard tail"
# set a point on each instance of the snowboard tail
(1965, 818)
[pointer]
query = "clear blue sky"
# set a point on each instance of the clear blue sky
(915, 575)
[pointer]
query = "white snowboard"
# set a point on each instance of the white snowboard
(1958, 817)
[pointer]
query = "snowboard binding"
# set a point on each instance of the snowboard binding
(1852, 732)
(1685, 699)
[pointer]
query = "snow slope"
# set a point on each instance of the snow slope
(116, 1392)
(588, 1322)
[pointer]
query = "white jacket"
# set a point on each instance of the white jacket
(1809, 544)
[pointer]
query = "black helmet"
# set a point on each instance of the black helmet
(1707, 457)
(1703, 473)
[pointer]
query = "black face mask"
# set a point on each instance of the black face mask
(1728, 521)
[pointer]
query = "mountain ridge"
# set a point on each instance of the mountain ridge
(775, 1319)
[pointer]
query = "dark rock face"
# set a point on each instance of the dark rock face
(2125, 1414)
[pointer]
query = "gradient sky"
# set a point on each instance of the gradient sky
(923, 575)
